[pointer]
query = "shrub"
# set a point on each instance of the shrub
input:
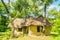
(3, 28)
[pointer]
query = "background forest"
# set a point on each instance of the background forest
(50, 9)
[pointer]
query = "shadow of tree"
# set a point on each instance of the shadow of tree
(54, 35)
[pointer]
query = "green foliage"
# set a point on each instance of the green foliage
(55, 19)
(27, 8)
(57, 23)
(3, 28)
(48, 2)
(58, 4)
(20, 5)
(3, 18)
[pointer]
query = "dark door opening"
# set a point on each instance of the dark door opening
(38, 28)
(20, 29)
(25, 30)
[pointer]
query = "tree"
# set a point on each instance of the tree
(3, 18)
(54, 17)
(11, 20)
(46, 3)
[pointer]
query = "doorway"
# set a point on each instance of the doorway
(39, 28)
(25, 30)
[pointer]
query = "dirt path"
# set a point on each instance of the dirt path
(33, 38)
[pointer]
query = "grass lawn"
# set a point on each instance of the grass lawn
(5, 36)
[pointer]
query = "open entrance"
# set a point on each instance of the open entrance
(20, 29)
(25, 30)
(39, 28)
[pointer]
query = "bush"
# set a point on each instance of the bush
(3, 28)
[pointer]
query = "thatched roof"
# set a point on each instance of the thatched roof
(20, 22)
(17, 23)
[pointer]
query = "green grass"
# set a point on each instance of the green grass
(5, 36)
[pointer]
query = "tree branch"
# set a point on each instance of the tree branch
(9, 12)
(5, 6)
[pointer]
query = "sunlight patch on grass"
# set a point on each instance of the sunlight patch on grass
(5, 36)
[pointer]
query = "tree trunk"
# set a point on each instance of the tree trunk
(45, 14)
(11, 21)
(44, 18)
(13, 29)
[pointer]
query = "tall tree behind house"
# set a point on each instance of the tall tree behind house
(46, 3)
